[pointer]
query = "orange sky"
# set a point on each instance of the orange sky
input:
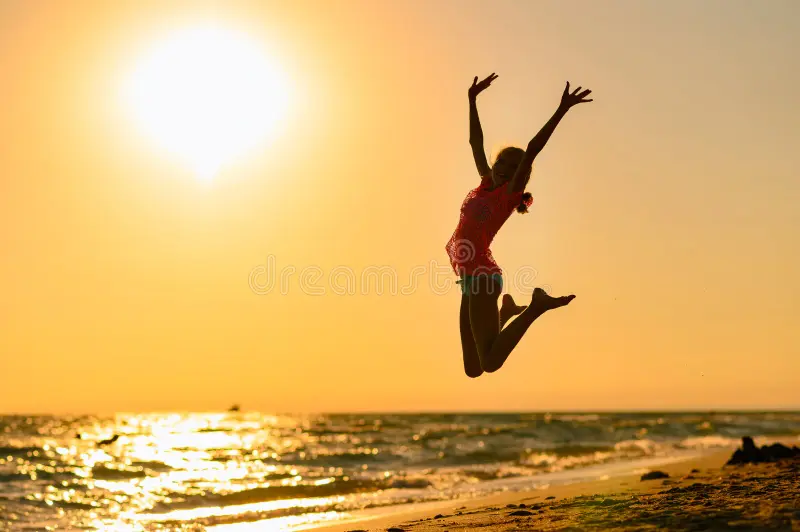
(669, 206)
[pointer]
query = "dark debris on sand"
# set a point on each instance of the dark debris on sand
(751, 454)
(654, 475)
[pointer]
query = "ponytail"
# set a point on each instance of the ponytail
(525, 202)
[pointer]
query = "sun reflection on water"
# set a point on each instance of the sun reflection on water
(259, 507)
(291, 522)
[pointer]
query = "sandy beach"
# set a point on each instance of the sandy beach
(698, 494)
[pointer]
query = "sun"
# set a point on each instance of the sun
(207, 95)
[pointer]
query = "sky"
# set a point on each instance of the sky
(668, 206)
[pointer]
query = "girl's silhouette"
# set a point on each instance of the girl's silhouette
(484, 340)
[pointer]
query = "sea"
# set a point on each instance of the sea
(237, 471)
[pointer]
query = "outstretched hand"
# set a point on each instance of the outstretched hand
(568, 99)
(479, 86)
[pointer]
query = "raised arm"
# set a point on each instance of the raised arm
(475, 131)
(568, 100)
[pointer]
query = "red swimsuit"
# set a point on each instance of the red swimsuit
(483, 213)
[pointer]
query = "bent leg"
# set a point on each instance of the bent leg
(472, 364)
(494, 345)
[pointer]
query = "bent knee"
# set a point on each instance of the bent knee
(473, 374)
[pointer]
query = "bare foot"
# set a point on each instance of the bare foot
(543, 302)
(509, 309)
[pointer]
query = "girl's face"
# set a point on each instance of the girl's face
(505, 166)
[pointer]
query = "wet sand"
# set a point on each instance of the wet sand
(700, 494)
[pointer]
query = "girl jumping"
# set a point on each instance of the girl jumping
(484, 340)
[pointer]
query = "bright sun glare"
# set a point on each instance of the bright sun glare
(207, 95)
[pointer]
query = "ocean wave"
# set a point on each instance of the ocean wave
(204, 464)
(579, 449)
(270, 493)
(17, 451)
(338, 458)
(409, 483)
(640, 447)
(106, 472)
(454, 457)
(706, 442)
(14, 477)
